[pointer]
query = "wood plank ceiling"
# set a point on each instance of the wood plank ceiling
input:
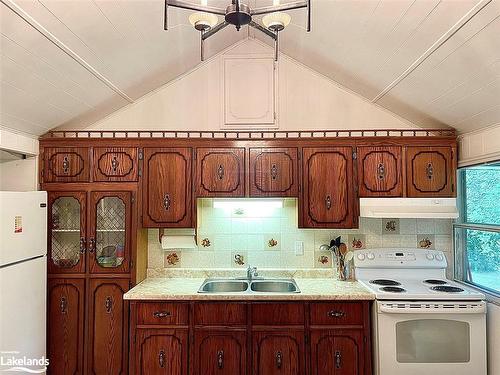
(74, 61)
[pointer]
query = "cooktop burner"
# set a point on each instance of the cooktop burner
(447, 289)
(393, 289)
(384, 282)
(435, 282)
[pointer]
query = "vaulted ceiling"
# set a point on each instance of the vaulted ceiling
(432, 62)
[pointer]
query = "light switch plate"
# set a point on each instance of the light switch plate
(299, 247)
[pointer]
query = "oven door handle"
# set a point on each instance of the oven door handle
(432, 308)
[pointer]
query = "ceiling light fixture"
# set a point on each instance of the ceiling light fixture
(205, 19)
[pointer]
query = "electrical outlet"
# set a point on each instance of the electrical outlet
(299, 247)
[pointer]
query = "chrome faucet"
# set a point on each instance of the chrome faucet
(251, 273)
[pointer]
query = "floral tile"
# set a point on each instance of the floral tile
(356, 241)
(239, 259)
(390, 226)
(205, 244)
(322, 259)
(272, 242)
(426, 241)
(172, 259)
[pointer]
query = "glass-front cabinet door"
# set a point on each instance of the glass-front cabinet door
(66, 237)
(109, 237)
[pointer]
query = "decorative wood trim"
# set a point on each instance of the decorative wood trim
(363, 172)
(55, 154)
(436, 152)
(203, 169)
(293, 177)
(116, 175)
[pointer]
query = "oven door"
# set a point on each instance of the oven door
(446, 338)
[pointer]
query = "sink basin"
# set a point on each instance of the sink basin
(274, 286)
(223, 286)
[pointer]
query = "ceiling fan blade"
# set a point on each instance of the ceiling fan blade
(196, 7)
(280, 8)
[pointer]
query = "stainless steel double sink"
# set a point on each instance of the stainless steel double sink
(287, 286)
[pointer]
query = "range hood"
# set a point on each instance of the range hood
(430, 208)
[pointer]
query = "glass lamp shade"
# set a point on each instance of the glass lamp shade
(276, 20)
(203, 20)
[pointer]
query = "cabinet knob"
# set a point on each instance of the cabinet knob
(429, 171)
(82, 245)
(65, 165)
(63, 305)
(274, 172)
(328, 202)
(114, 163)
(108, 304)
(161, 358)
(336, 314)
(91, 245)
(338, 359)
(220, 359)
(161, 314)
(167, 201)
(220, 172)
(381, 171)
(279, 359)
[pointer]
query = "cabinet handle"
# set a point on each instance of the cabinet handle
(220, 359)
(381, 171)
(65, 165)
(63, 305)
(82, 245)
(167, 202)
(114, 163)
(161, 358)
(220, 172)
(338, 360)
(108, 304)
(279, 359)
(429, 171)
(274, 172)
(328, 202)
(161, 314)
(336, 314)
(91, 245)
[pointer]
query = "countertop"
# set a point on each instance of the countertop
(185, 288)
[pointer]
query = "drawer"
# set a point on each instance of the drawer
(278, 313)
(220, 314)
(163, 313)
(336, 313)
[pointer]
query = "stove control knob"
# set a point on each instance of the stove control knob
(439, 257)
(430, 256)
(361, 256)
(370, 256)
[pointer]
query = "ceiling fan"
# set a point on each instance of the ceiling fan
(239, 14)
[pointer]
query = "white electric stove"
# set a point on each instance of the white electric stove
(422, 321)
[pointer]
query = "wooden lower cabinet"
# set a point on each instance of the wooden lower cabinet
(161, 351)
(219, 352)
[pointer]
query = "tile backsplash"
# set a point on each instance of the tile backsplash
(268, 237)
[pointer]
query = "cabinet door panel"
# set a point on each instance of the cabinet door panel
(66, 232)
(108, 326)
(167, 188)
(379, 171)
(278, 353)
(65, 325)
(110, 231)
(337, 352)
(115, 164)
(430, 171)
(220, 352)
(329, 200)
(66, 164)
(162, 351)
(220, 172)
(273, 172)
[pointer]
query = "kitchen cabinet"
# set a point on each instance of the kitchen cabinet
(430, 171)
(329, 197)
(278, 352)
(380, 171)
(162, 351)
(108, 326)
(66, 164)
(115, 164)
(220, 172)
(65, 325)
(167, 196)
(273, 172)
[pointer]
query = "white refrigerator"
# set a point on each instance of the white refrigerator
(23, 280)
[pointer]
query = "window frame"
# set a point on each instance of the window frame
(458, 226)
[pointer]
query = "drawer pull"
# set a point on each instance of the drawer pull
(161, 358)
(338, 360)
(65, 165)
(114, 163)
(167, 201)
(381, 171)
(429, 171)
(274, 172)
(82, 245)
(328, 202)
(279, 359)
(161, 314)
(91, 245)
(63, 305)
(220, 172)
(220, 359)
(336, 314)
(108, 304)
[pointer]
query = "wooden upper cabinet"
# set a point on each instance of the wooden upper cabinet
(65, 303)
(379, 171)
(66, 164)
(430, 171)
(329, 199)
(167, 199)
(220, 172)
(273, 172)
(115, 164)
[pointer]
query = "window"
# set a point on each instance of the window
(477, 232)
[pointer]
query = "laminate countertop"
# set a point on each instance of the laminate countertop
(186, 288)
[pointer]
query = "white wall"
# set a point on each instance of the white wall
(479, 146)
(305, 100)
